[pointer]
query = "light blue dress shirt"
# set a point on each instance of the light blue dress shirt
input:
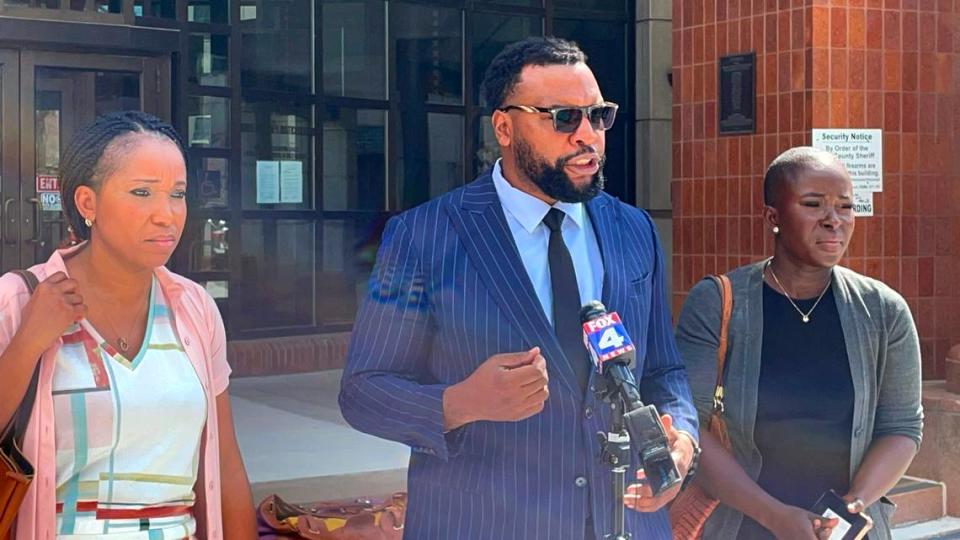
(525, 214)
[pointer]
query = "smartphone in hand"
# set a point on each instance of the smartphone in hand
(849, 526)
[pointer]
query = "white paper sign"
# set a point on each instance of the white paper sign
(842, 527)
(863, 203)
(50, 201)
(268, 182)
(291, 181)
(860, 150)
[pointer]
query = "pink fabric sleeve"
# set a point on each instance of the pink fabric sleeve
(13, 296)
(219, 367)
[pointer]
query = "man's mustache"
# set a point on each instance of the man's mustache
(587, 149)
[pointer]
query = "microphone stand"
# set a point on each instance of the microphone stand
(615, 454)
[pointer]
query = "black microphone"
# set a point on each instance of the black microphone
(613, 355)
(611, 350)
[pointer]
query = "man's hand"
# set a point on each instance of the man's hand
(639, 496)
(506, 388)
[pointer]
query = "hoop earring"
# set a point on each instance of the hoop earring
(88, 222)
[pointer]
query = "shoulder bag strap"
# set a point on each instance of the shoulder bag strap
(717, 425)
(17, 427)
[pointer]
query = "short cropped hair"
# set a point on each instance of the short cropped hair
(85, 162)
(790, 165)
(503, 73)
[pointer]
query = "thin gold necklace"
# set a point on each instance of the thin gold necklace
(121, 342)
(805, 317)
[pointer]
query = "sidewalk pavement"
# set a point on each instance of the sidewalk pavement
(295, 442)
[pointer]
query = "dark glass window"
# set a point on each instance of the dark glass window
(163, 8)
(208, 121)
(430, 157)
(277, 274)
(427, 44)
(612, 6)
(354, 62)
(354, 159)
(108, 6)
(525, 3)
(208, 59)
(277, 146)
(207, 245)
(324, 158)
(277, 42)
(349, 251)
(210, 182)
(487, 150)
(208, 11)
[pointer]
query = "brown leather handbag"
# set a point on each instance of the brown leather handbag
(357, 519)
(692, 507)
(16, 472)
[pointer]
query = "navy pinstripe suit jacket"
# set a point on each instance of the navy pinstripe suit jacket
(448, 291)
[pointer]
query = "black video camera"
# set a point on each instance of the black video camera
(650, 443)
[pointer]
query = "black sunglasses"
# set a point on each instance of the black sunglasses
(567, 119)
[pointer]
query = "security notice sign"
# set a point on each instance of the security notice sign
(861, 151)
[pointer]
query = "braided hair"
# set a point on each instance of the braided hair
(86, 163)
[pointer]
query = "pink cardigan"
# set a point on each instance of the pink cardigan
(200, 328)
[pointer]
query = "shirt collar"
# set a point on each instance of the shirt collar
(528, 210)
(56, 263)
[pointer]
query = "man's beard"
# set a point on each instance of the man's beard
(553, 180)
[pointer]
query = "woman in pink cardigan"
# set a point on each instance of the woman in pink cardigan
(131, 432)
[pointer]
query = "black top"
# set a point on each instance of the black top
(804, 404)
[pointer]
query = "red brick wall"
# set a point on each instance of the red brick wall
(840, 63)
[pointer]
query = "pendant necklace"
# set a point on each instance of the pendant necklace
(805, 317)
(121, 342)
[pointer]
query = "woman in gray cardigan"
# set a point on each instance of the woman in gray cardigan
(822, 372)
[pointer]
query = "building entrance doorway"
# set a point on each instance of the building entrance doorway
(44, 99)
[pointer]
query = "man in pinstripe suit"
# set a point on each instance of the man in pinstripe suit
(461, 352)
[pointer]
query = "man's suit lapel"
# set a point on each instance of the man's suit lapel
(605, 216)
(479, 220)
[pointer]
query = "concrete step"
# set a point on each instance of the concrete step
(918, 500)
(945, 528)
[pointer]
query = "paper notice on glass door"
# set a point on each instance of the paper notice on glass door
(268, 182)
(291, 181)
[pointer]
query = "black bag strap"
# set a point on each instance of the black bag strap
(16, 428)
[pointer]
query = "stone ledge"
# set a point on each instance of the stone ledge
(937, 396)
(917, 500)
(952, 367)
(294, 354)
(941, 434)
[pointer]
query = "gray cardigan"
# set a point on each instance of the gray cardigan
(882, 347)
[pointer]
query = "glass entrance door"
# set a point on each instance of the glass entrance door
(59, 94)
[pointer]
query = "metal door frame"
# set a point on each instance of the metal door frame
(9, 158)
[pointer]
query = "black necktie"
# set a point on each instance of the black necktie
(566, 299)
